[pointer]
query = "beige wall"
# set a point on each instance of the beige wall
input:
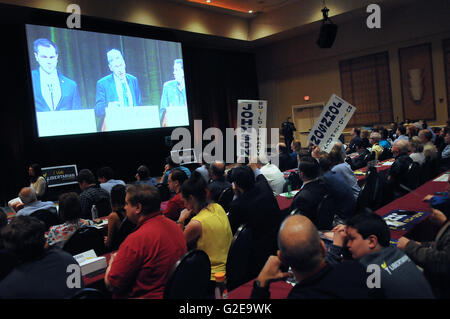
(160, 13)
(290, 69)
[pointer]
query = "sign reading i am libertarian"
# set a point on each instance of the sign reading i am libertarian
(251, 119)
(60, 175)
(331, 123)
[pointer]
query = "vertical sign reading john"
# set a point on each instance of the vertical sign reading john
(251, 124)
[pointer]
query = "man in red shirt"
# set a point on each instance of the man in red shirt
(176, 204)
(143, 262)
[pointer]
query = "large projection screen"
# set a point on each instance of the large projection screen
(89, 82)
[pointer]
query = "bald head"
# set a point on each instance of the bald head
(300, 245)
(27, 195)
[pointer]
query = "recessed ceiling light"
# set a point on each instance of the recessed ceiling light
(208, 1)
(250, 11)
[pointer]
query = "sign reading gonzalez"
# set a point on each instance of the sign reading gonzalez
(60, 175)
(251, 115)
(331, 123)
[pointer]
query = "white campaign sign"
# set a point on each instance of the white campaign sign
(252, 114)
(331, 123)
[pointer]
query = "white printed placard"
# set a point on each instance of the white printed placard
(331, 123)
(130, 118)
(66, 122)
(252, 114)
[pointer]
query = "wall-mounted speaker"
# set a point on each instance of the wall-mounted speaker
(327, 35)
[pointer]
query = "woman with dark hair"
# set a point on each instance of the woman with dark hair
(119, 226)
(209, 228)
(37, 181)
(70, 212)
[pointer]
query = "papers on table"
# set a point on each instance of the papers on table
(442, 178)
(387, 163)
(289, 196)
(89, 262)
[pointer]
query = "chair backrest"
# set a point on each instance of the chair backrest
(50, 219)
(103, 207)
(238, 259)
(414, 173)
(325, 213)
(295, 180)
(386, 154)
(84, 239)
(88, 293)
(426, 171)
(225, 198)
(164, 191)
(371, 193)
(190, 277)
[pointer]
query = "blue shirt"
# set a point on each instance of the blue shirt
(110, 184)
(35, 206)
(172, 96)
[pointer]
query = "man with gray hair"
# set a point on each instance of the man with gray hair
(272, 173)
(301, 248)
(31, 204)
(398, 173)
(119, 89)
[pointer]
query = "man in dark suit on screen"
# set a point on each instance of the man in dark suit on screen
(118, 89)
(52, 90)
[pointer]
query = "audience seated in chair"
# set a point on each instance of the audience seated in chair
(398, 172)
(284, 159)
(70, 212)
(434, 257)
(356, 139)
(416, 149)
(208, 228)
(301, 248)
(119, 226)
(42, 273)
(363, 155)
(141, 266)
(175, 205)
(272, 173)
(367, 237)
(338, 165)
(37, 181)
(170, 164)
(429, 149)
(106, 179)
(374, 140)
(90, 193)
(143, 176)
(218, 183)
(257, 208)
(31, 204)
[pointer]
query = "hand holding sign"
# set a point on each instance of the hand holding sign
(331, 123)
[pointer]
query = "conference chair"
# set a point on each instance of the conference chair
(371, 193)
(84, 239)
(325, 213)
(386, 154)
(50, 219)
(225, 198)
(413, 176)
(164, 191)
(238, 260)
(190, 277)
(103, 207)
(88, 293)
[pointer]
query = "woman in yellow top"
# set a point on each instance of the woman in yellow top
(208, 228)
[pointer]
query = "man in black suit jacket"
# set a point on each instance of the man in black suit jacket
(256, 207)
(307, 200)
(218, 184)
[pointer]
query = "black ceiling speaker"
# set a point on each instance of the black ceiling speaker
(328, 31)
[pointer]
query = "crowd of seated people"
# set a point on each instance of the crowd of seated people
(192, 218)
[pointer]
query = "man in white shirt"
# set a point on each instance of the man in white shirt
(52, 90)
(272, 173)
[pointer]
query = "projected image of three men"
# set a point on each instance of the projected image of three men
(86, 82)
